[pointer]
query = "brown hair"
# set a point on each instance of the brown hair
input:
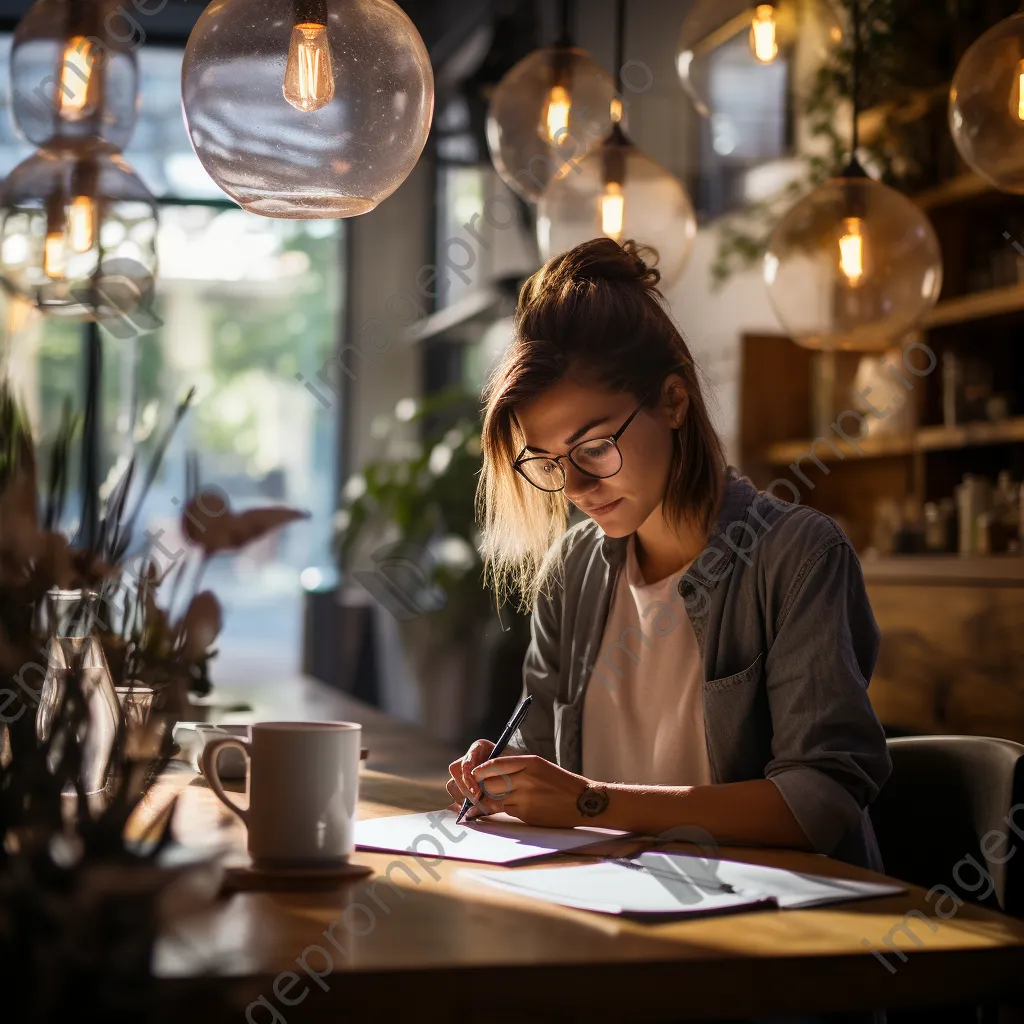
(595, 313)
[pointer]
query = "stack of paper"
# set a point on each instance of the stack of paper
(668, 883)
(496, 839)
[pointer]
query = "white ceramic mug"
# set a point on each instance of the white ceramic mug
(303, 790)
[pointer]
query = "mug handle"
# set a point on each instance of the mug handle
(208, 762)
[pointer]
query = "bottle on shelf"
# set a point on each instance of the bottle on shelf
(1004, 524)
(973, 498)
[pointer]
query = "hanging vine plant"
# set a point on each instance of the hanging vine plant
(912, 50)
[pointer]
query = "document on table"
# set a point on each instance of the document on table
(497, 839)
(665, 883)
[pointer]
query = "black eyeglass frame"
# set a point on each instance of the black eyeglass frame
(614, 438)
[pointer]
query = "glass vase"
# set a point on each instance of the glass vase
(74, 644)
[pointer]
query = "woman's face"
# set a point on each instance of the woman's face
(567, 413)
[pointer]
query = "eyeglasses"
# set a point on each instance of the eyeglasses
(597, 457)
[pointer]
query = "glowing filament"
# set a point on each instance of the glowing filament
(1017, 93)
(613, 210)
(76, 96)
(851, 251)
(556, 114)
(81, 221)
(54, 263)
(762, 34)
(308, 77)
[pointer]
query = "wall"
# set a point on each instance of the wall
(663, 123)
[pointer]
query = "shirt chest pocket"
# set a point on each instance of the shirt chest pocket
(748, 678)
(738, 724)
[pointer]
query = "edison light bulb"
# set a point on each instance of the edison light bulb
(309, 78)
(851, 251)
(763, 40)
(76, 95)
(1017, 94)
(613, 210)
(555, 125)
(81, 221)
(54, 255)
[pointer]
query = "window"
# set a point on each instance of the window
(749, 124)
(243, 303)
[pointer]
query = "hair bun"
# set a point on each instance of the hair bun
(603, 259)
(648, 274)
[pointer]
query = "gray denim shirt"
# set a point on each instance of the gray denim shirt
(788, 643)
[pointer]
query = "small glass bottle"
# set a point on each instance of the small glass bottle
(74, 644)
(1004, 526)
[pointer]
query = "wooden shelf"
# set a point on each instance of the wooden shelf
(979, 306)
(936, 570)
(970, 435)
(926, 439)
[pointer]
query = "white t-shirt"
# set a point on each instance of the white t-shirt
(643, 719)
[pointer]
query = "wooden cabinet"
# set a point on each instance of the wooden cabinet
(952, 657)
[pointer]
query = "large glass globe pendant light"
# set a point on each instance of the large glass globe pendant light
(766, 28)
(986, 105)
(548, 111)
(618, 191)
(74, 74)
(306, 109)
(78, 233)
(730, 45)
(853, 265)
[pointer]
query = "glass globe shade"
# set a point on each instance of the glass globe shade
(305, 110)
(78, 233)
(549, 111)
(986, 105)
(618, 191)
(802, 32)
(852, 266)
(72, 80)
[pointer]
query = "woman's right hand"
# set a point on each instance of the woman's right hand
(462, 784)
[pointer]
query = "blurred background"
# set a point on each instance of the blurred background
(336, 374)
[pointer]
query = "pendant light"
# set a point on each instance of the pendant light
(765, 28)
(78, 233)
(854, 264)
(77, 226)
(757, 35)
(305, 109)
(986, 105)
(618, 191)
(74, 74)
(548, 112)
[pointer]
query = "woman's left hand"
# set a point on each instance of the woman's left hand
(529, 788)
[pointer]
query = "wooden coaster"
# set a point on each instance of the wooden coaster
(249, 877)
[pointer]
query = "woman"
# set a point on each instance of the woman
(700, 651)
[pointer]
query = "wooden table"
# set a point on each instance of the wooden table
(418, 945)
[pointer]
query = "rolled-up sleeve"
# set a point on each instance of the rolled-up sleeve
(541, 667)
(829, 755)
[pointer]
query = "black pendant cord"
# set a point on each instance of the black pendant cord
(91, 437)
(853, 168)
(620, 42)
(565, 37)
(855, 79)
(613, 151)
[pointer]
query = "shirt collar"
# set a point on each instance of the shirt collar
(738, 493)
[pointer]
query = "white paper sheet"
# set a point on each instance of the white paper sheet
(661, 883)
(498, 839)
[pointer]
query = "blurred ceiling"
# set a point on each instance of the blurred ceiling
(472, 43)
(448, 27)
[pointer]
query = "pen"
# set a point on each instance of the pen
(671, 876)
(513, 723)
